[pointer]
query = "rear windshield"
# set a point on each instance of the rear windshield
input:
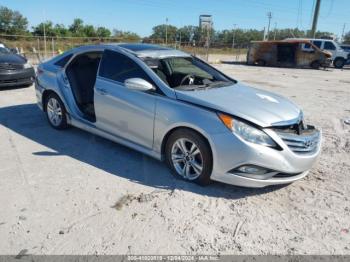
(63, 61)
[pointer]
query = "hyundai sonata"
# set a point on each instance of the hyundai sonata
(173, 106)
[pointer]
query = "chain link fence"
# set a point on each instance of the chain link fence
(39, 48)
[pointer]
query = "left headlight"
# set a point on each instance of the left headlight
(27, 65)
(246, 131)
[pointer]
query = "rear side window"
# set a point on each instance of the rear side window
(63, 61)
(118, 67)
(317, 43)
(329, 46)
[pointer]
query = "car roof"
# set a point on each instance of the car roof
(138, 49)
(311, 39)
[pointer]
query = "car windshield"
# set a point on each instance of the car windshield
(4, 50)
(187, 73)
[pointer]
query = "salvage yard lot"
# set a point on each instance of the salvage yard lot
(70, 192)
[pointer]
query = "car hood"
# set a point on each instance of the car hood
(258, 106)
(12, 59)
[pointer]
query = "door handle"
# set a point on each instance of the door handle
(101, 91)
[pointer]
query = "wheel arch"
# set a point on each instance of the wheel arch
(46, 93)
(174, 129)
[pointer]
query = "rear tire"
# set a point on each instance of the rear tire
(56, 112)
(339, 63)
(189, 156)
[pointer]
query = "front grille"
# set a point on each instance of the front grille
(10, 67)
(305, 142)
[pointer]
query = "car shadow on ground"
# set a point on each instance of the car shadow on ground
(28, 121)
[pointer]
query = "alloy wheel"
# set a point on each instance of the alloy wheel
(187, 159)
(54, 111)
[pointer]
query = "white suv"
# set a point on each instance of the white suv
(339, 56)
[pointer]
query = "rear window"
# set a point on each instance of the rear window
(317, 43)
(63, 61)
(119, 67)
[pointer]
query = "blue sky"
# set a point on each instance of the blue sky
(141, 15)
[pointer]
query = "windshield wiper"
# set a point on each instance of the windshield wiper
(219, 84)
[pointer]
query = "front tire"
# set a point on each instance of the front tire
(189, 156)
(55, 112)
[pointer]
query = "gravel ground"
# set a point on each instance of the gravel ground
(74, 193)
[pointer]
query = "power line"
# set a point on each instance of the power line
(329, 10)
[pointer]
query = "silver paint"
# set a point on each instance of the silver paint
(142, 120)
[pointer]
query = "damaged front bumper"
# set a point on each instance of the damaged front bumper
(266, 166)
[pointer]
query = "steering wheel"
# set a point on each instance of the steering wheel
(189, 77)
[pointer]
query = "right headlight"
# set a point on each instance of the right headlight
(27, 65)
(246, 131)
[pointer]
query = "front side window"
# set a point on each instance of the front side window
(118, 67)
(329, 46)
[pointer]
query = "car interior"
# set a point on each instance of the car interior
(176, 72)
(81, 73)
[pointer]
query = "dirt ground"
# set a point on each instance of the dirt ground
(69, 192)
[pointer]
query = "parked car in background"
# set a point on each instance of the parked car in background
(340, 57)
(287, 54)
(15, 70)
(170, 105)
(345, 47)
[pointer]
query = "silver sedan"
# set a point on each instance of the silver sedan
(174, 107)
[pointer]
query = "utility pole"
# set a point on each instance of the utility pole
(275, 31)
(166, 31)
(315, 19)
(180, 38)
(44, 24)
(269, 16)
(343, 33)
(233, 36)
(45, 48)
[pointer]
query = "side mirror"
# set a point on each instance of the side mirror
(138, 84)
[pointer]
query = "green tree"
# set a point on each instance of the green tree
(159, 33)
(77, 27)
(61, 30)
(44, 26)
(12, 22)
(189, 33)
(126, 36)
(103, 32)
(89, 31)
